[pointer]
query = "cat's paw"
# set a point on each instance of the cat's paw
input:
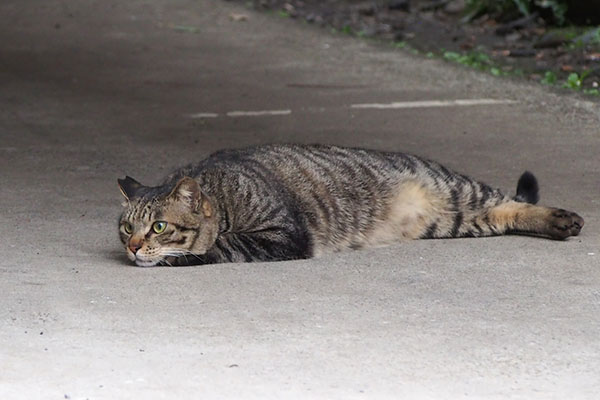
(563, 223)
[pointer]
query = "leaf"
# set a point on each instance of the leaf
(549, 78)
(451, 55)
(573, 81)
(238, 17)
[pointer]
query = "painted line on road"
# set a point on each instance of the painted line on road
(433, 103)
(235, 114)
(394, 105)
(204, 115)
(257, 113)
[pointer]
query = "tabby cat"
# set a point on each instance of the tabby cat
(284, 202)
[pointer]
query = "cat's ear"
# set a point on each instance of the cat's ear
(188, 191)
(129, 187)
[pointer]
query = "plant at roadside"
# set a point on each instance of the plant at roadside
(549, 78)
(512, 9)
(473, 59)
(347, 29)
(573, 81)
(594, 92)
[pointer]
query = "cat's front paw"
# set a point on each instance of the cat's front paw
(563, 223)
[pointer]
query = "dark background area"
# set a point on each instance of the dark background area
(554, 42)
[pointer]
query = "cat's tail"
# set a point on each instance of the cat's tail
(527, 189)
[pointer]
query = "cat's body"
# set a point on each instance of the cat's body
(282, 202)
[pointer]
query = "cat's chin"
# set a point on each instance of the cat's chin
(143, 263)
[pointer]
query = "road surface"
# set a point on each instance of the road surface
(91, 91)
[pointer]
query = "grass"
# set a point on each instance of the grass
(473, 59)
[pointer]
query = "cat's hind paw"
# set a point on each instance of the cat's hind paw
(563, 223)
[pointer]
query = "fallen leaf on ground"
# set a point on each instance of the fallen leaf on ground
(238, 17)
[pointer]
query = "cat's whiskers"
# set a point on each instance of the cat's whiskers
(179, 253)
(189, 253)
(170, 252)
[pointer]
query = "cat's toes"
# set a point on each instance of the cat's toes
(563, 223)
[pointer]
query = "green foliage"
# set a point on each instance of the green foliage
(574, 81)
(473, 59)
(549, 78)
(347, 29)
(589, 37)
(594, 92)
(513, 8)
(477, 60)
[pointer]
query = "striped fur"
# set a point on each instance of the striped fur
(282, 202)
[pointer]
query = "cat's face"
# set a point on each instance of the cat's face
(165, 228)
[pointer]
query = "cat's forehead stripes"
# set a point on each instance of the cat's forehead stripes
(142, 210)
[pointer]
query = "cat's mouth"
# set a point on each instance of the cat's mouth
(160, 262)
(146, 263)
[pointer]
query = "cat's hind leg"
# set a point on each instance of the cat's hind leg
(524, 218)
(521, 215)
(499, 214)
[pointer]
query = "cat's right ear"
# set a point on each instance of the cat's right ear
(188, 191)
(129, 187)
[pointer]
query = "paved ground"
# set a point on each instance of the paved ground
(93, 90)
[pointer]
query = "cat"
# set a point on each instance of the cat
(285, 202)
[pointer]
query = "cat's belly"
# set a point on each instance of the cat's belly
(407, 214)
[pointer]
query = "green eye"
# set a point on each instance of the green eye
(128, 228)
(159, 226)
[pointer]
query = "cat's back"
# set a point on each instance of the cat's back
(315, 163)
(346, 197)
(340, 191)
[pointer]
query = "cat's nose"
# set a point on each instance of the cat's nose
(134, 246)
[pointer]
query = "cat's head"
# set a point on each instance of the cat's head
(164, 225)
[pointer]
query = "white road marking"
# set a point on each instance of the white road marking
(204, 115)
(258, 113)
(434, 103)
(395, 105)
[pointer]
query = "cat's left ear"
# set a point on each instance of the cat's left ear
(129, 187)
(188, 191)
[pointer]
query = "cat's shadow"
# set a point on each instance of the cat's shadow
(117, 257)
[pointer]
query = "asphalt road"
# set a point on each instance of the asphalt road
(91, 91)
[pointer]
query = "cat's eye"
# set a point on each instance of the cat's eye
(128, 228)
(159, 226)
